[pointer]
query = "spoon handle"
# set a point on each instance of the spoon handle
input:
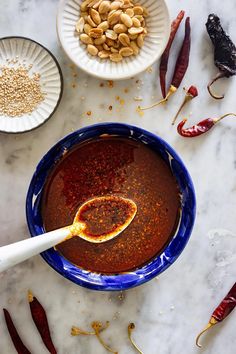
(17, 252)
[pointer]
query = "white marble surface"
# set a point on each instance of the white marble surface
(168, 311)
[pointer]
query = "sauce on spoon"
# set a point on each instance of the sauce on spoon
(102, 218)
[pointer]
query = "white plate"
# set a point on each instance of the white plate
(158, 26)
(29, 52)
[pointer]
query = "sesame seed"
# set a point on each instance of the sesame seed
(19, 93)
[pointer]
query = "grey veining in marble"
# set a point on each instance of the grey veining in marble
(168, 311)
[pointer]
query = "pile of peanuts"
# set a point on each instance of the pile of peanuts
(112, 29)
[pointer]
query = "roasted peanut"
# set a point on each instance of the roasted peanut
(130, 12)
(140, 40)
(95, 16)
(92, 49)
(127, 21)
(86, 39)
(104, 7)
(116, 57)
(136, 22)
(96, 33)
(135, 48)
(90, 21)
(120, 28)
(126, 51)
(124, 39)
(138, 10)
(87, 28)
(100, 40)
(103, 25)
(111, 34)
(135, 30)
(103, 54)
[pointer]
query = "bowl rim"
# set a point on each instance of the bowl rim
(126, 280)
(60, 8)
(61, 81)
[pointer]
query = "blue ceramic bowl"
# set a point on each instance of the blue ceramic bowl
(161, 262)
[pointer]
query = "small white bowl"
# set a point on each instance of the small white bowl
(15, 51)
(158, 26)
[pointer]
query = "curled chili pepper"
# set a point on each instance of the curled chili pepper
(200, 128)
(221, 312)
(40, 319)
(224, 54)
(18, 344)
(180, 66)
(165, 56)
(190, 94)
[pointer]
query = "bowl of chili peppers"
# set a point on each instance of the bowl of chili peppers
(173, 248)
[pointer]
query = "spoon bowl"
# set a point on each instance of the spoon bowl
(100, 219)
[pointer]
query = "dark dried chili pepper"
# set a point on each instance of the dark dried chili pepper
(18, 344)
(165, 56)
(180, 66)
(200, 128)
(190, 94)
(40, 319)
(221, 312)
(225, 51)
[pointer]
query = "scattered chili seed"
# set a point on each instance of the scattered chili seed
(110, 108)
(200, 128)
(221, 312)
(131, 327)
(180, 66)
(224, 53)
(110, 83)
(19, 93)
(18, 344)
(89, 113)
(40, 319)
(165, 56)
(190, 94)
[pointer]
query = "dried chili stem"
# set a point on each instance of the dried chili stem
(210, 324)
(164, 100)
(189, 95)
(97, 329)
(76, 331)
(216, 120)
(131, 327)
(213, 95)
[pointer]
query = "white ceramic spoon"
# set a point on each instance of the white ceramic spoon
(96, 214)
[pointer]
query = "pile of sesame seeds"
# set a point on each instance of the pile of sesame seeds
(20, 93)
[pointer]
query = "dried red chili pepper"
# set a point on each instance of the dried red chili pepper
(40, 319)
(180, 66)
(221, 312)
(18, 344)
(200, 128)
(224, 53)
(190, 94)
(165, 56)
